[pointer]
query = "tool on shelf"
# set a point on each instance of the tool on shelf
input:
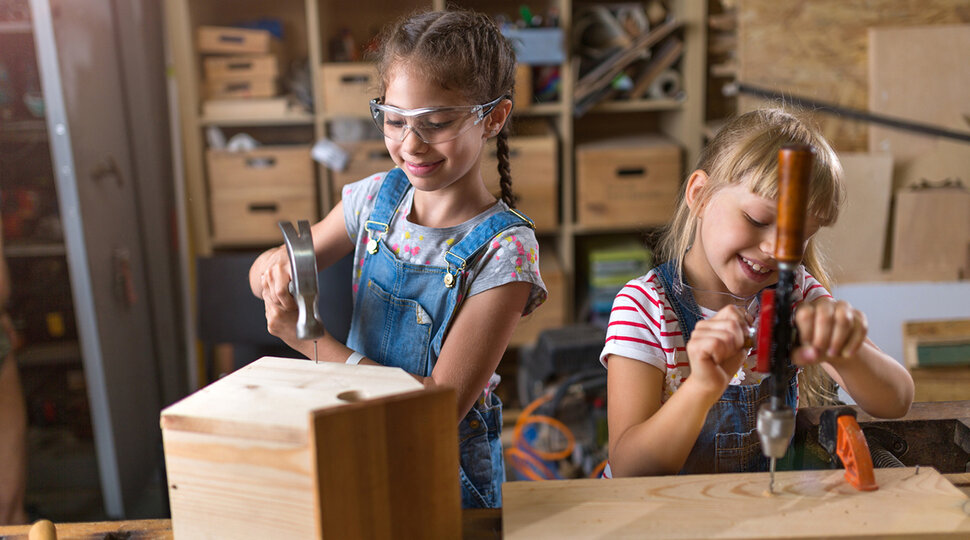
(776, 419)
(303, 284)
(840, 435)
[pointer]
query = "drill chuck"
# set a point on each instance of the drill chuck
(776, 425)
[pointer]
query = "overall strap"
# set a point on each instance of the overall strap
(682, 302)
(395, 185)
(478, 238)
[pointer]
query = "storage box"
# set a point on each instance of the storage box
(249, 215)
(366, 159)
(627, 182)
(534, 163)
(244, 108)
(537, 46)
(263, 166)
(237, 66)
(552, 313)
(286, 448)
(254, 86)
(231, 40)
(348, 88)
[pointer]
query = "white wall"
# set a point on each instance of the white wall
(888, 305)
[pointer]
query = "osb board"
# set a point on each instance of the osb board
(919, 73)
(854, 245)
(271, 398)
(806, 504)
(819, 49)
(931, 233)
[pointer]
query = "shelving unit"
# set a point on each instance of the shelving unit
(311, 25)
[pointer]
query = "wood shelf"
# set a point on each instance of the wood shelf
(49, 354)
(35, 249)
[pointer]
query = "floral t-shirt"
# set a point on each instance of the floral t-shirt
(512, 255)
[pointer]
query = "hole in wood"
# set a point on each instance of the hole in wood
(351, 396)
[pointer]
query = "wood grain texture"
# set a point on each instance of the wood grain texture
(807, 504)
(819, 49)
(955, 332)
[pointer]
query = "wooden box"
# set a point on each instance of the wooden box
(348, 87)
(236, 66)
(552, 313)
(254, 86)
(627, 182)
(286, 448)
(231, 40)
(263, 166)
(533, 160)
(250, 215)
(366, 159)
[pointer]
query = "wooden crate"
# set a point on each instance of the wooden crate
(233, 67)
(231, 40)
(627, 182)
(286, 448)
(534, 162)
(250, 215)
(263, 166)
(366, 159)
(252, 86)
(944, 343)
(348, 87)
(941, 383)
(552, 313)
(806, 504)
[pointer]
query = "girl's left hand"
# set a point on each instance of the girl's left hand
(831, 331)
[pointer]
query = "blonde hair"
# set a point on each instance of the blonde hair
(745, 152)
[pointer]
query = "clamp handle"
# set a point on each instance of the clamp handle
(839, 433)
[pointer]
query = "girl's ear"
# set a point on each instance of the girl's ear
(695, 185)
(496, 119)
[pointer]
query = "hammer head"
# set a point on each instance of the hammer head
(303, 286)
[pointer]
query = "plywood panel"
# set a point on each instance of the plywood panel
(854, 245)
(919, 73)
(819, 49)
(807, 504)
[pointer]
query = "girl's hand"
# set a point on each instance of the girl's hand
(275, 281)
(830, 331)
(280, 320)
(716, 349)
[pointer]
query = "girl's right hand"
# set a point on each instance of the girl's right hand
(275, 280)
(716, 349)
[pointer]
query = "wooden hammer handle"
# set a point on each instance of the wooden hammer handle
(794, 174)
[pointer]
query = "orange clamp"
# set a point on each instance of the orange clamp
(854, 453)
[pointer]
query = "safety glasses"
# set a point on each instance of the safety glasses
(431, 124)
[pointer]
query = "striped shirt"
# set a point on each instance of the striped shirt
(644, 327)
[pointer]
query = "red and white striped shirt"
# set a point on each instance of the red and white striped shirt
(644, 327)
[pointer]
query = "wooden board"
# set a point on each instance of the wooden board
(918, 73)
(951, 333)
(819, 49)
(931, 231)
(855, 244)
(941, 383)
(807, 504)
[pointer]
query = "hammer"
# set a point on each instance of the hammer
(303, 284)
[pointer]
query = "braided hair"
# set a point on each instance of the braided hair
(460, 50)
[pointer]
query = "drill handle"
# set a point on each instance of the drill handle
(794, 175)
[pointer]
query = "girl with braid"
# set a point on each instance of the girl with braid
(442, 270)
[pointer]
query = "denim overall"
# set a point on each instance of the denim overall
(728, 442)
(401, 316)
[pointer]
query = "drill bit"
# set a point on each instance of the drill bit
(315, 360)
(771, 482)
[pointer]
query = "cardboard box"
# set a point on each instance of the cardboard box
(366, 159)
(250, 215)
(552, 313)
(631, 181)
(348, 87)
(231, 40)
(244, 108)
(534, 162)
(263, 166)
(237, 66)
(286, 448)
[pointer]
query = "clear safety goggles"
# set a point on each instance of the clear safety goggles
(431, 124)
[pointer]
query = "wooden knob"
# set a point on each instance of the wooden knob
(794, 175)
(42, 530)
